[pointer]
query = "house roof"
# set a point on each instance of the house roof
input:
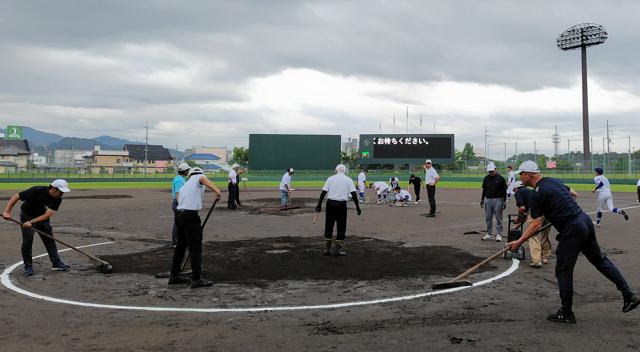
(20, 143)
(154, 152)
(209, 167)
(202, 156)
(7, 163)
(13, 150)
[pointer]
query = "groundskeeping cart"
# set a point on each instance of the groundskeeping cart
(514, 232)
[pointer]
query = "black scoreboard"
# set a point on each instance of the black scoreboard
(406, 148)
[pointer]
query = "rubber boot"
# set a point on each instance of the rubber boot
(338, 250)
(328, 247)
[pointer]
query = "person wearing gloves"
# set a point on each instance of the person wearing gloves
(337, 190)
(39, 204)
(494, 201)
(604, 196)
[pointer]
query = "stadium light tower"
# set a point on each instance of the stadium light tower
(581, 36)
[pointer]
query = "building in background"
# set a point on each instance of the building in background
(350, 147)
(70, 157)
(13, 158)
(220, 152)
(38, 160)
(207, 162)
(108, 161)
(158, 158)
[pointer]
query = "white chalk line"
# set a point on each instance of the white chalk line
(6, 281)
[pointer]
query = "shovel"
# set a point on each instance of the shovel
(104, 267)
(458, 282)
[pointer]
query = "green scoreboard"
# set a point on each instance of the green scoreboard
(299, 151)
(406, 148)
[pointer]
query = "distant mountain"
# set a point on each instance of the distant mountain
(115, 143)
(36, 137)
(80, 144)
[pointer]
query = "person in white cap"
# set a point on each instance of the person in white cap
(190, 228)
(511, 180)
(431, 178)
(337, 190)
(176, 184)
(494, 201)
(39, 204)
(285, 188)
(552, 200)
(233, 187)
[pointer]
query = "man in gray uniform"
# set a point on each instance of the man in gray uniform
(494, 201)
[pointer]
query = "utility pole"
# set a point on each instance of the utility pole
(505, 153)
(535, 152)
(146, 148)
(555, 138)
(517, 152)
(608, 149)
(407, 119)
(569, 152)
(604, 160)
(629, 152)
(486, 151)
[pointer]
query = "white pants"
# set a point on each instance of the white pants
(604, 197)
(361, 187)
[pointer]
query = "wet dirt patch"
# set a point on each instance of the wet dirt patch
(99, 196)
(271, 206)
(300, 258)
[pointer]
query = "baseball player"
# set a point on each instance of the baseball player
(337, 189)
(511, 180)
(394, 182)
(362, 178)
(604, 196)
(638, 190)
(402, 197)
(285, 188)
(382, 190)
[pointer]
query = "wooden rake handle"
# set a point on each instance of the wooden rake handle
(42, 233)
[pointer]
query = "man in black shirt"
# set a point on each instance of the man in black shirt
(417, 184)
(552, 201)
(39, 204)
(493, 200)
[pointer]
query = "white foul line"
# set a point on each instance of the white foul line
(6, 281)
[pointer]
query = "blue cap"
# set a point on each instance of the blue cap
(599, 170)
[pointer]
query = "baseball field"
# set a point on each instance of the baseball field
(273, 290)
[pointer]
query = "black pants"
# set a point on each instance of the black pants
(576, 237)
(431, 193)
(27, 241)
(189, 236)
(174, 230)
(336, 213)
(231, 201)
(416, 190)
(237, 195)
(638, 193)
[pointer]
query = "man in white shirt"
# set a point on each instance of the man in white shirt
(604, 196)
(362, 179)
(190, 228)
(233, 187)
(382, 190)
(285, 188)
(337, 189)
(431, 178)
(402, 197)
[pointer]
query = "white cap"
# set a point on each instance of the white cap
(428, 161)
(61, 185)
(234, 166)
(183, 167)
(195, 171)
(518, 184)
(528, 166)
(290, 170)
(491, 167)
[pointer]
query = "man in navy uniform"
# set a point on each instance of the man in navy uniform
(552, 201)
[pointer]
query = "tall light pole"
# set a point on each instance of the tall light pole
(582, 36)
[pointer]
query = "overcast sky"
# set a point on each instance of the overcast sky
(211, 73)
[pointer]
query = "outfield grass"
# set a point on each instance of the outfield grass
(271, 184)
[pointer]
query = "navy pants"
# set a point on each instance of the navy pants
(189, 236)
(27, 241)
(416, 190)
(336, 214)
(431, 193)
(578, 237)
(174, 230)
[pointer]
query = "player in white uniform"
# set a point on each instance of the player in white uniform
(362, 178)
(511, 181)
(382, 190)
(604, 196)
(402, 197)
(394, 181)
